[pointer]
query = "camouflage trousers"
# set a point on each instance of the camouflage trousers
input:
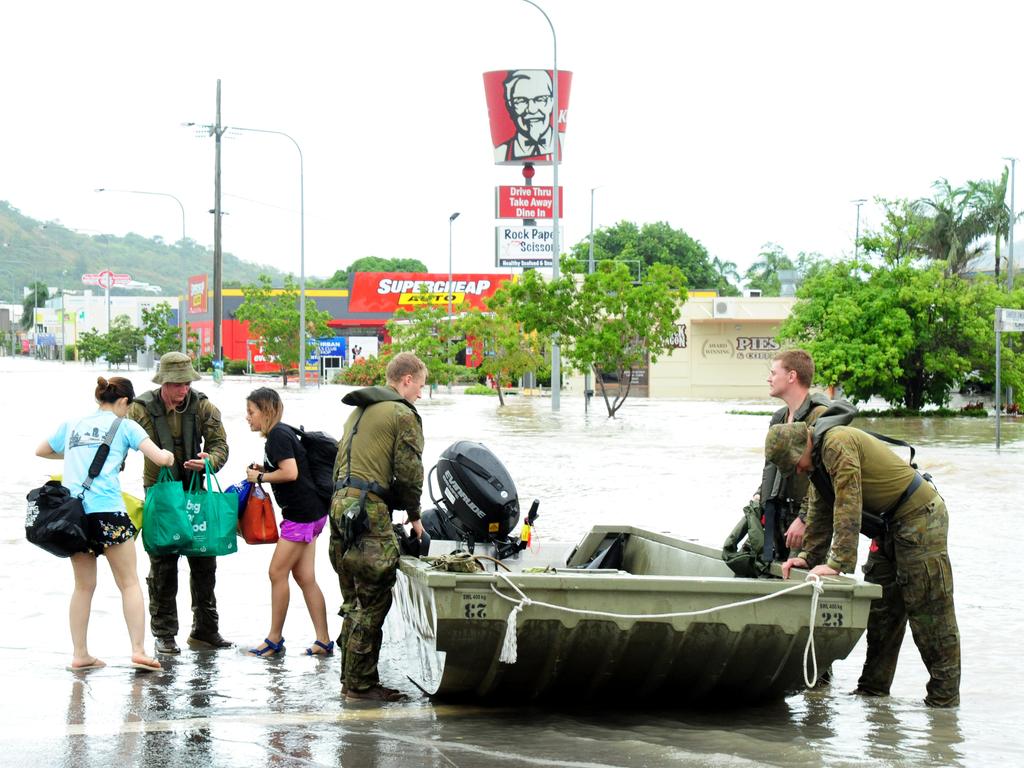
(912, 566)
(163, 595)
(366, 571)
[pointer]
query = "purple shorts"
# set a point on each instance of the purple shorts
(302, 533)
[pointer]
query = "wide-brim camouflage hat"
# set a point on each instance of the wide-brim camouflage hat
(175, 368)
(785, 445)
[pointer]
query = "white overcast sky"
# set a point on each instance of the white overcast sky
(739, 122)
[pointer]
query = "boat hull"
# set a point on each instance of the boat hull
(454, 625)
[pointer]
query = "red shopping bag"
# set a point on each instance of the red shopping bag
(258, 524)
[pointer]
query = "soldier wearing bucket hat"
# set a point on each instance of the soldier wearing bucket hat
(178, 418)
(786, 444)
(855, 476)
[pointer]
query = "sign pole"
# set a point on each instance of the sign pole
(999, 345)
(1007, 321)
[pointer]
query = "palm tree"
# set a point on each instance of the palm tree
(955, 225)
(764, 273)
(725, 269)
(988, 198)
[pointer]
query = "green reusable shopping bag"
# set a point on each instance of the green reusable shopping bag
(214, 517)
(166, 529)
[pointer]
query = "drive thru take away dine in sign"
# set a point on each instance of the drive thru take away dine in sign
(391, 291)
(526, 202)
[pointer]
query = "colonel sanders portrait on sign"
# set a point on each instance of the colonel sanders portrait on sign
(530, 104)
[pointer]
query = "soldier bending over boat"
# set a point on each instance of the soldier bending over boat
(857, 481)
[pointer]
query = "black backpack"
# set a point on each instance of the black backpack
(321, 452)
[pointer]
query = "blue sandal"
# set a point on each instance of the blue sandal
(270, 650)
(328, 649)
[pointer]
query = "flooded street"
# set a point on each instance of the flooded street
(683, 467)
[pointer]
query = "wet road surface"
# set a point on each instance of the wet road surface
(685, 467)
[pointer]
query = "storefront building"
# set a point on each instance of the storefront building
(722, 350)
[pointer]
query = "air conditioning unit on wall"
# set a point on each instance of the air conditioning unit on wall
(721, 307)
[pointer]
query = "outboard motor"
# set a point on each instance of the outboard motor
(478, 503)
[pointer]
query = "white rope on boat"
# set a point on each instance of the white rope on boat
(509, 648)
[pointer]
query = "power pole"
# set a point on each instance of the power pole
(218, 256)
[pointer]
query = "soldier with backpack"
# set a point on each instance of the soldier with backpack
(859, 485)
(379, 468)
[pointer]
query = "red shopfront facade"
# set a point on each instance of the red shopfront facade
(358, 314)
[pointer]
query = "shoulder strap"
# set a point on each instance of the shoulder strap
(101, 454)
(897, 442)
(348, 451)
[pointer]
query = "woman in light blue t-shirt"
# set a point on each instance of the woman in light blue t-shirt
(109, 529)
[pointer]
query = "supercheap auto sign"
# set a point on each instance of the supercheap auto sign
(391, 291)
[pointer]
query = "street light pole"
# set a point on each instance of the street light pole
(451, 219)
(182, 323)
(556, 367)
(302, 248)
(159, 194)
(856, 236)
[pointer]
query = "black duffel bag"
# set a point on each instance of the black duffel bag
(55, 520)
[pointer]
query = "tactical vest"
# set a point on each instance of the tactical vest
(191, 429)
(355, 522)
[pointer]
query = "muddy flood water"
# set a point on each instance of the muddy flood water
(681, 466)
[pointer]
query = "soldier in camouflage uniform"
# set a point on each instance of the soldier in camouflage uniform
(772, 521)
(909, 561)
(379, 468)
(185, 422)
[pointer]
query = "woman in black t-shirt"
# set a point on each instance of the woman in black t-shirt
(285, 467)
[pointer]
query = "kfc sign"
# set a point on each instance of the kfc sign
(526, 202)
(391, 291)
(521, 108)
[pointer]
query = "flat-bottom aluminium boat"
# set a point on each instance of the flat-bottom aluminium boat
(627, 615)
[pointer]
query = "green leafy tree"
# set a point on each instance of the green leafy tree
(123, 341)
(156, 324)
(274, 318)
(37, 295)
(606, 321)
(907, 335)
(428, 332)
(90, 345)
(343, 277)
(901, 238)
(508, 352)
(654, 243)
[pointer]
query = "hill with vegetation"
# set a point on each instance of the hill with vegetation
(51, 253)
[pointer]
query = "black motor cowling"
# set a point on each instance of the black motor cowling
(478, 501)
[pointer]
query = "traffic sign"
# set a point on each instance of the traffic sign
(1009, 320)
(106, 279)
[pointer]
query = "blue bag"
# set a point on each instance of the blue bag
(242, 489)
